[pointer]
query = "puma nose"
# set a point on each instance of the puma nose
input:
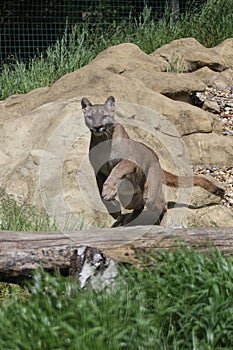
(100, 128)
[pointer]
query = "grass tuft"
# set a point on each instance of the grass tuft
(16, 216)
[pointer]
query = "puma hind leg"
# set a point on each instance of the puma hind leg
(154, 197)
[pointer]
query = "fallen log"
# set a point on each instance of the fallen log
(71, 253)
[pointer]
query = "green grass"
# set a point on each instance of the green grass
(16, 216)
(184, 300)
(210, 24)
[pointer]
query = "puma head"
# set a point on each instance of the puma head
(98, 117)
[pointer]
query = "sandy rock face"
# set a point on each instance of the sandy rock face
(44, 142)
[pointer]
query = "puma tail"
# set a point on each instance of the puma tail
(189, 181)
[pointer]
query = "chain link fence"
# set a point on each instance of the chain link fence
(28, 27)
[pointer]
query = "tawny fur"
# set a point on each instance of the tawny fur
(185, 181)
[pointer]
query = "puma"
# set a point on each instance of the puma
(129, 169)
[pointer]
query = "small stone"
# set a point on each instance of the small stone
(211, 106)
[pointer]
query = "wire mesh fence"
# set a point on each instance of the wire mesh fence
(28, 27)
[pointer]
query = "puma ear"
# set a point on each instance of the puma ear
(85, 103)
(110, 103)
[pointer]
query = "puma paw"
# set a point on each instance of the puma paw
(109, 192)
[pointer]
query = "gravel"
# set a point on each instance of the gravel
(219, 102)
(222, 104)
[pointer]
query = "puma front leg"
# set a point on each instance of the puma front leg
(113, 207)
(118, 173)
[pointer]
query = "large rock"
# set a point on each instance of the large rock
(44, 142)
(188, 55)
(219, 80)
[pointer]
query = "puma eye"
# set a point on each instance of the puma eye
(89, 117)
